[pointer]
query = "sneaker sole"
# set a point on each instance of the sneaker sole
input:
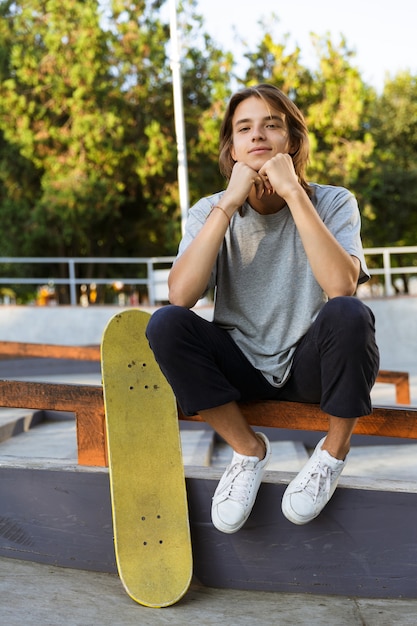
(228, 530)
(293, 517)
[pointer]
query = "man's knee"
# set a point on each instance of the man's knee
(348, 311)
(350, 322)
(165, 324)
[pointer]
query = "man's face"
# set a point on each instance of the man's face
(259, 133)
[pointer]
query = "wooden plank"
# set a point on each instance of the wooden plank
(92, 353)
(86, 401)
(384, 421)
(80, 353)
(401, 380)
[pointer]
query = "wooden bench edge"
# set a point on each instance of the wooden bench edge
(86, 401)
(92, 353)
(52, 351)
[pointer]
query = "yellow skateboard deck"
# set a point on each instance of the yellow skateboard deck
(149, 501)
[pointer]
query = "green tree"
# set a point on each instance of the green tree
(86, 102)
(390, 186)
(273, 62)
(332, 96)
(56, 107)
(341, 142)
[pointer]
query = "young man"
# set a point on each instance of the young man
(285, 258)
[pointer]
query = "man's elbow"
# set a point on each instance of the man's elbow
(179, 298)
(344, 289)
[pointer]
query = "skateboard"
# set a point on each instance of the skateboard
(147, 483)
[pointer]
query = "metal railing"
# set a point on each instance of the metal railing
(387, 270)
(155, 280)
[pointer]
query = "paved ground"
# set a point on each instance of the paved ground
(43, 595)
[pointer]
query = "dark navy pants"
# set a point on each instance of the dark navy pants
(335, 363)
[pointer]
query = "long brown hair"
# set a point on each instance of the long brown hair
(297, 128)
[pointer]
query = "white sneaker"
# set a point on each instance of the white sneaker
(236, 492)
(312, 488)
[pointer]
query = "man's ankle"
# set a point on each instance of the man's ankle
(256, 448)
(262, 450)
(337, 451)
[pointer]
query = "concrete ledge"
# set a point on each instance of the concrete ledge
(364, 543)
(396, 331)
(65, 325)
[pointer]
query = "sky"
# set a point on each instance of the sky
(382, 33)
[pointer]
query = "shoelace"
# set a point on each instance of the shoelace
(315, 478)
(238, 482)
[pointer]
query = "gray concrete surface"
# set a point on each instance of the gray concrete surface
(396, 331)
(44, 595)
(51, 324)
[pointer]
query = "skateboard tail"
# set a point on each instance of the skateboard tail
(155, 599)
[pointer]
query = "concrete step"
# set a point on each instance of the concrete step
(15, 421)
(23, 435)
(57, 439)
(197, 447)
(392, 462)
(383, 462)
(287, 456)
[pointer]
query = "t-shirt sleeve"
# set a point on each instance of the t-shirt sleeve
(197, 215)
(341, 215)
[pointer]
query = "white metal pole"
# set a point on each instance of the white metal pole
(179, 115)
(389, 288)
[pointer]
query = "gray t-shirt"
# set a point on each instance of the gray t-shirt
(266, 295)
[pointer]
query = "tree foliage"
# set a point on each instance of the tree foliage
(391, 185)
(88, 156)
(90, 108)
